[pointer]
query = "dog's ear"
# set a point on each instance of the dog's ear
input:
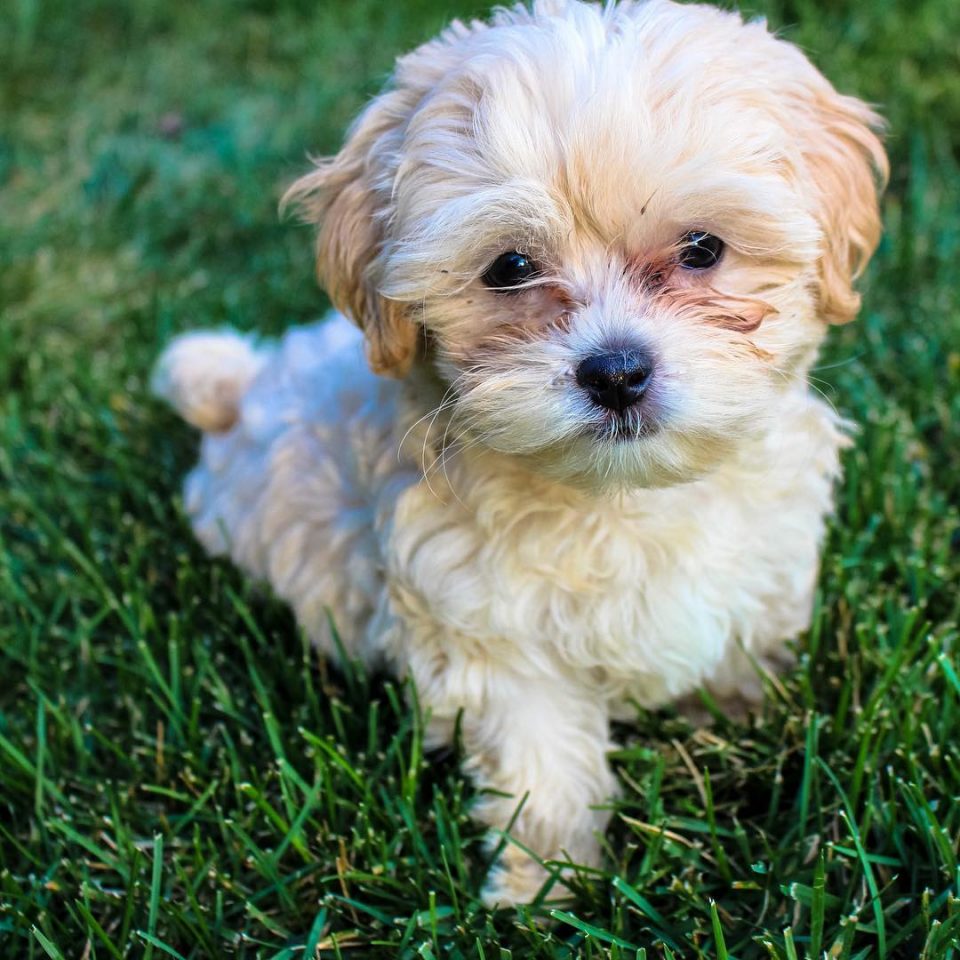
(350, 200)
(347, 198)
(848, 169)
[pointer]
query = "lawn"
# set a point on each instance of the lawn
(180, 776)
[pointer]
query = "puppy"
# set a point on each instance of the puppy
(570, 462)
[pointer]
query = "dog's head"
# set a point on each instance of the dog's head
(617, 233)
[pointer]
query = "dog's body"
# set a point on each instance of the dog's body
(457, 523)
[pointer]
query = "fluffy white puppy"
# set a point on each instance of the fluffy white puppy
(578, 467)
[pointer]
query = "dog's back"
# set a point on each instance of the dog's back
(297, 442)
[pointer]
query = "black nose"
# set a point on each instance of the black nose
(618, 379)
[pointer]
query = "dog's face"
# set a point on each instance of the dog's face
(617, 235)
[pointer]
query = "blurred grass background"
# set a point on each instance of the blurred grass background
(178, 774)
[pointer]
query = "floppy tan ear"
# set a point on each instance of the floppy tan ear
(348, 199)
(848, 169)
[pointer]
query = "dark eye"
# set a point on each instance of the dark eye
(509, 270)
(699, 250)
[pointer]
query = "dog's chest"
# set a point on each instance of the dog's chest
(651, 590)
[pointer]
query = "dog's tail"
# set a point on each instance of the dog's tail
(204, 376)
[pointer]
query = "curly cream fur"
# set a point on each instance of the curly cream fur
(476, 523)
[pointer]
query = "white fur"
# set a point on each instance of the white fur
(471, 523)
(203, 376)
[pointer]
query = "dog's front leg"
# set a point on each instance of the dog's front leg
(536, 748)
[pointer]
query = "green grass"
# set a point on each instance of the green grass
(179, 776)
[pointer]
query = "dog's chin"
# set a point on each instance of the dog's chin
(597, 451)
(620, 457)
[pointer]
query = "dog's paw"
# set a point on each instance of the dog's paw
(741, 698)
(516, 878)
(779, 661)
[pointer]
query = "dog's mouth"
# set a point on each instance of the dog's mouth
(623, 427)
